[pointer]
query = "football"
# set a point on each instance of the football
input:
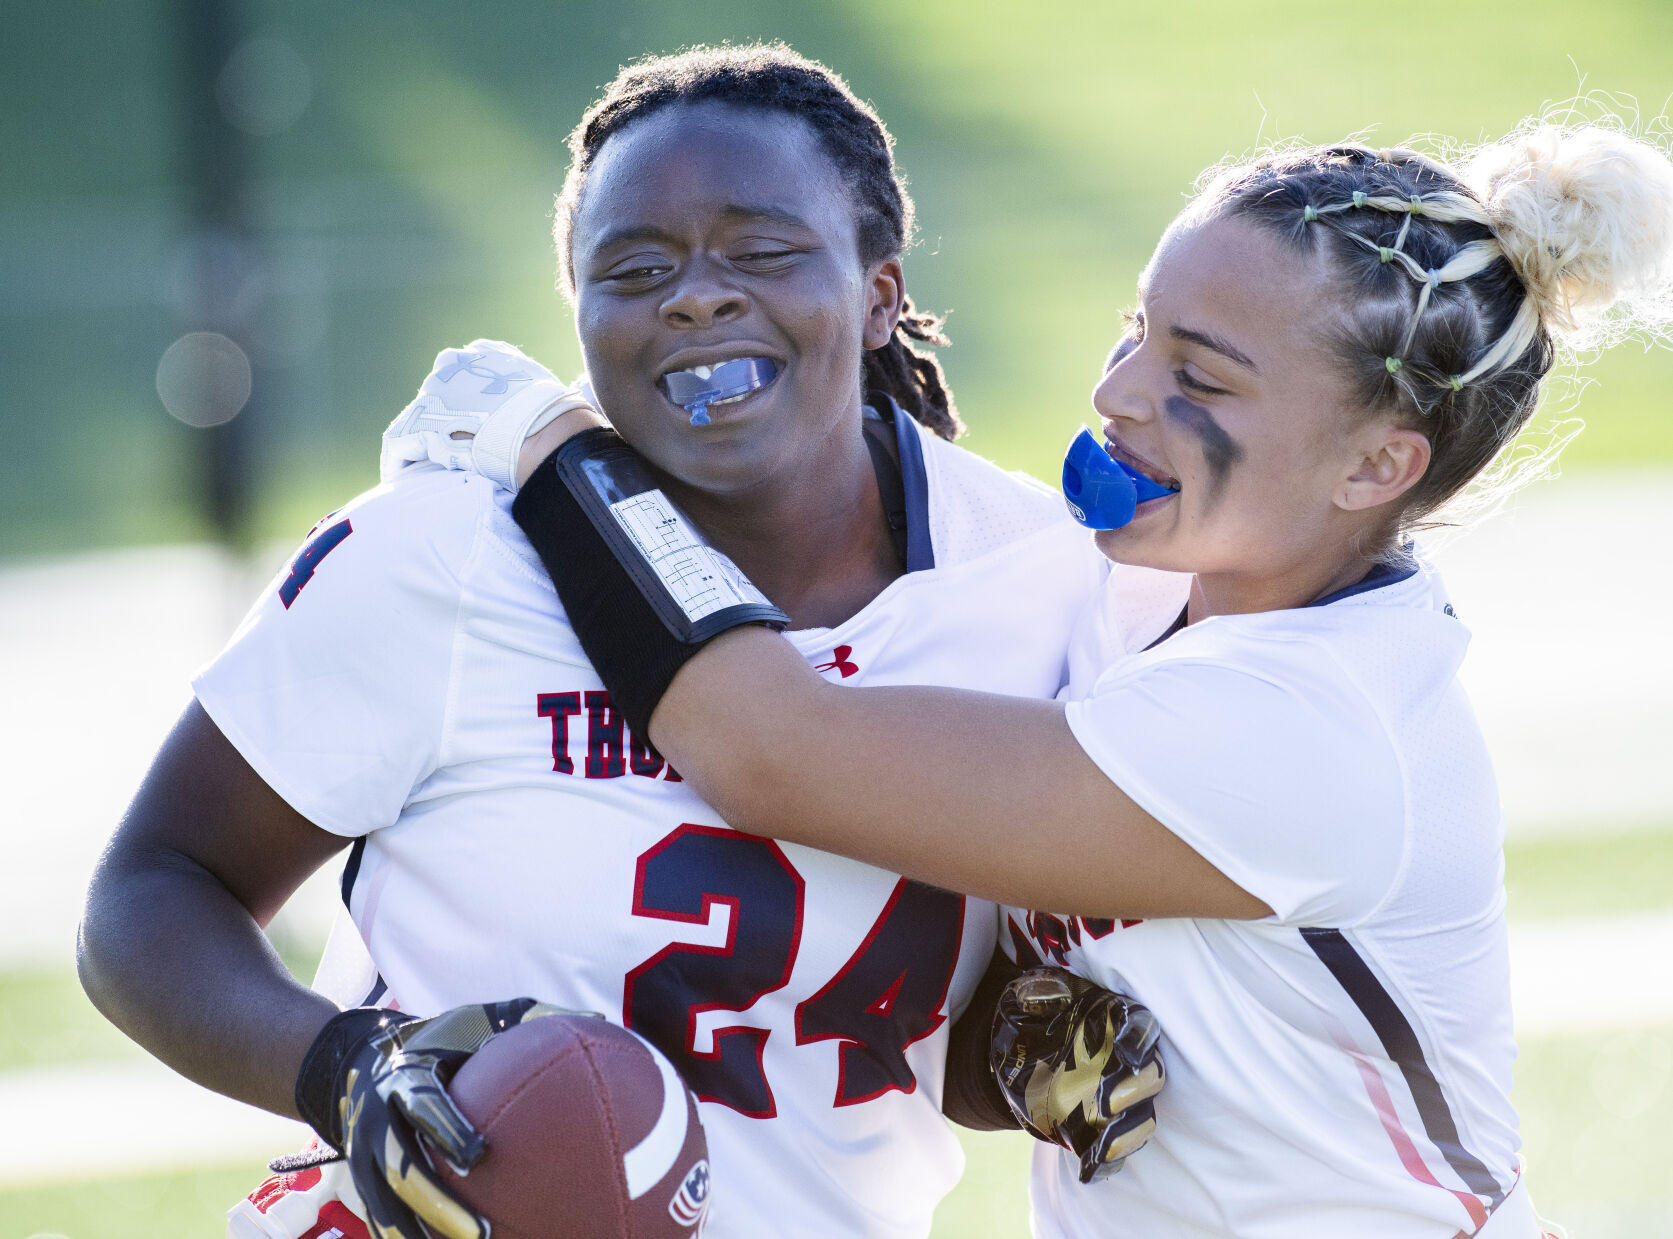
(591, 1135)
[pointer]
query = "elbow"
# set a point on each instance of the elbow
(748, 788)
(756, 775)
(88, 970)
(100, 935)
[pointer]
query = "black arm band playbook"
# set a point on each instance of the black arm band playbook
(642, 589)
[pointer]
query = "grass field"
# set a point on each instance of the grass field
(1593, 1105)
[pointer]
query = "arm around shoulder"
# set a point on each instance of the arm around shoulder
(976, 792)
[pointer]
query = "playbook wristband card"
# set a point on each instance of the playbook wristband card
(695, 590)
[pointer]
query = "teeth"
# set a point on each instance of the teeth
(707, 372)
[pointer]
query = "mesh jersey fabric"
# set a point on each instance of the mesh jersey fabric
(1343, 1066)
(412, 685)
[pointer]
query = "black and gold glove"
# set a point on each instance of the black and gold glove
(374, 1080)
(1078, 1066)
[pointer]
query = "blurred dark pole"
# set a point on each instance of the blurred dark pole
(223, 267)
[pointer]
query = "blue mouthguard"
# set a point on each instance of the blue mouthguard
(1103, 493)
(735, 378)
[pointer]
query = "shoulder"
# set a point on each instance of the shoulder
(1282, 711)
(1395, 640)
(976, 506)
(428, 530)
(1320, 706)
(1275, 769)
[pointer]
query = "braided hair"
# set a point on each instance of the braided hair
(1460, 286)
(771, 77)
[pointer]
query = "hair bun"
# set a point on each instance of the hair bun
(1584, 213)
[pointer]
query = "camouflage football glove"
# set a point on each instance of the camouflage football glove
(1078, 1066)
(374, 1081)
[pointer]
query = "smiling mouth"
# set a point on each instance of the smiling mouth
(701, 387)
(1140, 465)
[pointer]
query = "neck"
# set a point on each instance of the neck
(816, 544)
(1230, 593)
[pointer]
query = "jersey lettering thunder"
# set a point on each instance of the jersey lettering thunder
(408, 682)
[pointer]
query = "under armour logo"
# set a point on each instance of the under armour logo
(839, 662)
(495, 383)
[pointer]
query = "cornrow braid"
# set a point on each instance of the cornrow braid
(771, 77)
(914, 379)
(1436, 324)
(1471, 259)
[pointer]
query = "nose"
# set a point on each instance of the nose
(702, 297)
(1121, 393)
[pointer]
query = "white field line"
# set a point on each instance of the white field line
(93, 1121)
(1590, 974)
(1568, 976)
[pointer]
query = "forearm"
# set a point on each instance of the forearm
(924, 782)
(171, 958)
(171, 948)
(975, 792)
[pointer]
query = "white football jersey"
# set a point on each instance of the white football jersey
(1343, 1067)
(409, 681)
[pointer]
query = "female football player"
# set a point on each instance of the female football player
(1265, 810)
(731, 233)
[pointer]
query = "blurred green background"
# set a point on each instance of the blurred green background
(403, 157)
(402, 160)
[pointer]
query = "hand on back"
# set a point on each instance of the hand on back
(476, 411)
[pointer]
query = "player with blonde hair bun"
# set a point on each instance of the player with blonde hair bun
(1264, 807)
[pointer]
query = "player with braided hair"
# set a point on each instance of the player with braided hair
(730, 235)
(771, 78)
(1264, 809)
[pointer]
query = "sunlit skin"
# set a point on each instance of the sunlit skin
(1225, 383)
(708, 232)
(1226, 386)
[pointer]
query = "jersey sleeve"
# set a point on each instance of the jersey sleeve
(1287, 784)
(335, 687)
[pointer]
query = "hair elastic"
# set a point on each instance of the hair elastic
(1392, 365)
(1309, 214)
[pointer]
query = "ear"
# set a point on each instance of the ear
(885, 295)
(1391, 460)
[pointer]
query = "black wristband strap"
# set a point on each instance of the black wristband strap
(635, 631)
(970, 1095)
(318, 1081)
